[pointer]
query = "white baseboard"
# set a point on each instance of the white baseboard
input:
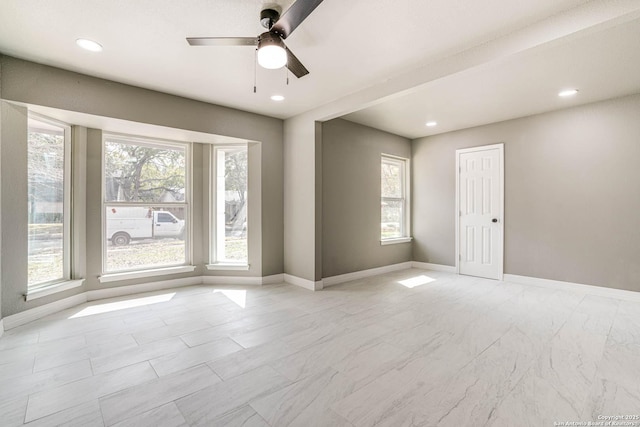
(119, 291)
(36, 313)
(433, 267)
(232, 280)
(304, 283)
(1, 327)
(243, 280)
(347, 277)
(571, 286)
(273, 279)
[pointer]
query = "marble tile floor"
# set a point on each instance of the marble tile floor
(408, 348)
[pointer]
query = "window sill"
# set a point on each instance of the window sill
(230, 267)
(396, 241)
(115, 277)
(52, 289)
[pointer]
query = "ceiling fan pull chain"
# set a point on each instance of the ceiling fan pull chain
(255, 70)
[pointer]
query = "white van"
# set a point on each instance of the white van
(127, 223)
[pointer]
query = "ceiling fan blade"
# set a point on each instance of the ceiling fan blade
(222, 41)
(294, 16)
(294, 65)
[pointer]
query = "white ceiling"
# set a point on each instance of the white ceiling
(361, 51)
(601, 65)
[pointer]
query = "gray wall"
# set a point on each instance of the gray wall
(300, 210)
(351, 197)
(14, 204)
(572, 193)
(25, 82)
(37, 84)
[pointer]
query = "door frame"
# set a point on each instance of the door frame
(500, 147)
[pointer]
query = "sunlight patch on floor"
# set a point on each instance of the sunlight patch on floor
(238, 296)
(416, 281)
(122, 305)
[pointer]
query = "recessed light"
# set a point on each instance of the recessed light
(89, 45)
(567, 92)
(431, 124)
(277, 98)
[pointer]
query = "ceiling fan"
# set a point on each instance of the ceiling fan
(272, 52)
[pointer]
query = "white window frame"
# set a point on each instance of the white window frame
(158, 270)
(214, 262)
(405, 172)
(52, 286)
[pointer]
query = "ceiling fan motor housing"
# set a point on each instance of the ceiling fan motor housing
(268, 17)
(268, 38)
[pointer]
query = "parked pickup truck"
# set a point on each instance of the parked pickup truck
(128, 223)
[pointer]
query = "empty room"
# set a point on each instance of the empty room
(319, 213)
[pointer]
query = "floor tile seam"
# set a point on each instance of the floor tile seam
(27, 394)
(52, 413)
(159, 378)
(26, 407)
(299, 380)
(29, 352)
(613, 320)
(148, 362)
(486, 348)
(346, 421)
(62, 366)
(104, 421)
(397, 396)
(248, 404)
(265, 392)
(172, 335)
(360, 384)
(284, 375)
(173, 352)
(322, 340)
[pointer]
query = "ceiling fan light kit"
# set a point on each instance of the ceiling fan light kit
(272, 52)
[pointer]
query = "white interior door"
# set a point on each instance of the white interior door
(480, 195)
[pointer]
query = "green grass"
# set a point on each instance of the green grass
(161, 252)
(236, 249)
(144, 254)
(45, 264)
(45, 268)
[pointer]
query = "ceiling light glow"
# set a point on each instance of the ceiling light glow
(431, 124)
(89, 45)
(271, 52)
(568, 92)
(277, 98)
(272, 57)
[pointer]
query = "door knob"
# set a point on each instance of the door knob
(494, 220)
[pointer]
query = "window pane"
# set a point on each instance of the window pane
(142, 237)
(391, 179)
(45, 170)
(392, 216)
(231, 205)
(144, 173)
